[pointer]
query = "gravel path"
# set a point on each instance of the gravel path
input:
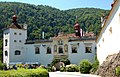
(70, 74)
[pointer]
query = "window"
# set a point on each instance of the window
(15, 33)
(20, 33)
(17, 52)
(88, 50)
(20, 41)
(74, 49)
(37, 50)
(6, 42)
(66, 48)
(103, 39)
(6, 53)
(60, 49)
(119, 17)
(110, 30)
(15, 40)
(55, 48)
(48, 50)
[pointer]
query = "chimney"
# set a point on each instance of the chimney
(43, 35)
(81, 32)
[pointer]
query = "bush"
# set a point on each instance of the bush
(54, 62)
(95, 66)
(85, 66)
(62, 69)
(72, 68)
(65, 61)
(117, 70)
(25, 73)
(2, 65)
(19, 65)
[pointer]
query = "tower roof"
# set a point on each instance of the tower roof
(14, 23)
(77, 26)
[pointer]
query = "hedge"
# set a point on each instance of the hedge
(85, 66)
(25, 73)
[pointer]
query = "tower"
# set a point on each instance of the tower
(14, 38)
(77, 28)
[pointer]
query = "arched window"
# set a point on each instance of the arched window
(48, 50)
(17, 52)
(37, 50)
(60, 49)
(6, 53)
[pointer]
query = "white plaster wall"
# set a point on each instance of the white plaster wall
(16, 45)
(41, 58)
(75, 58)
(110, 45)
(6, 48)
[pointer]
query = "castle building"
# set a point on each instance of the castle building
(17, 49)
(109, 38)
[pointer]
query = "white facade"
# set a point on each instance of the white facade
(109, 38)
(17, 49)
(27, 49)
(81, 54)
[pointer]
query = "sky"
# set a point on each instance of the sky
(69, 4)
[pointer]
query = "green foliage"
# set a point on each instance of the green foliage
(50, 20)
(54, 62)
(95, 65)
(117, 70)
(62, 69)
(25, 73)
(65, 61)
(19, 65)
(2, 65)
(85, 66)
(72, 68)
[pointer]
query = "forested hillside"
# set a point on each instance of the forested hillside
(50, 20)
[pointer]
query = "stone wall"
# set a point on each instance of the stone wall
(107, 69)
